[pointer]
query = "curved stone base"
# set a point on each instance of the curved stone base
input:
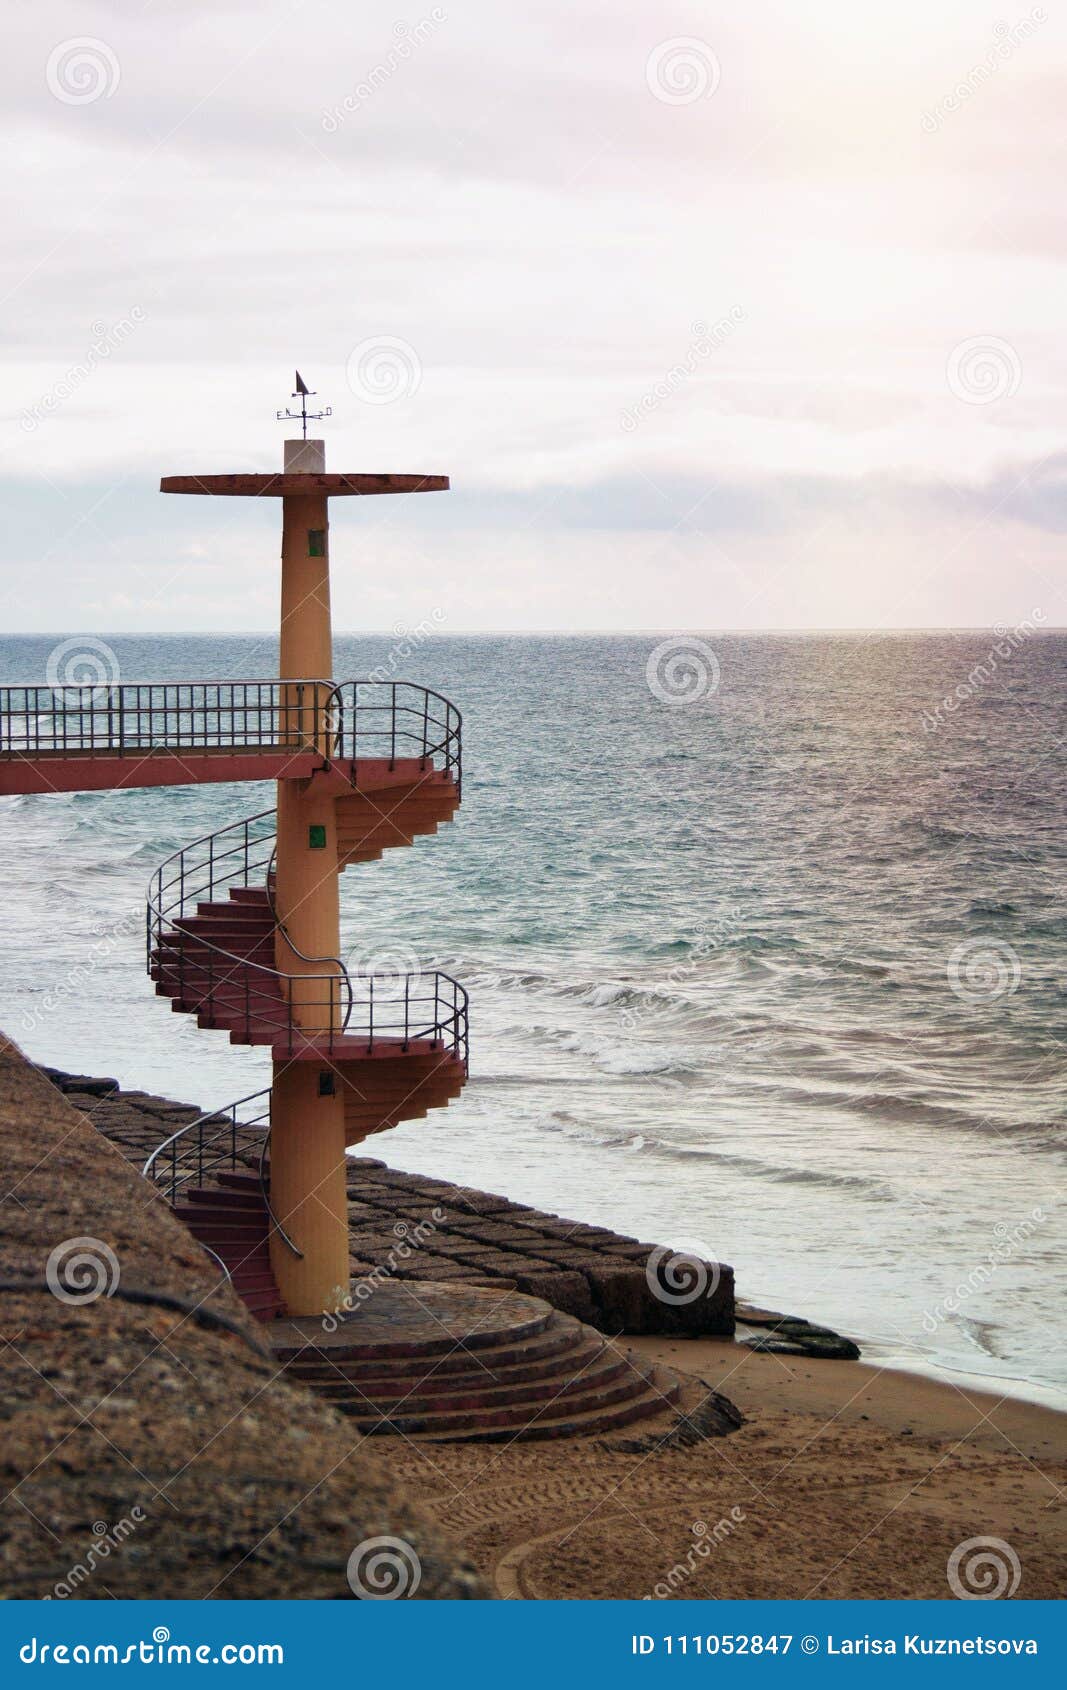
(469, 1363)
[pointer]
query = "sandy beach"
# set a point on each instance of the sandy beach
(845, 1481)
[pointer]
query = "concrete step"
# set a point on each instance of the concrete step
(586, 1370)
(539, 1349)
(594, 1407)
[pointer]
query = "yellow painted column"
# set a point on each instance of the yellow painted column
(307, 1190)
(307, 1120)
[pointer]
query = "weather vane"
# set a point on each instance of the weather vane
(303, 416)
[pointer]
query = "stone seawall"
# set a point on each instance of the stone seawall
(412, 1227)
(409, 1226)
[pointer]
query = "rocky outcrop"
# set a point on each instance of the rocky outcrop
(150, 1447)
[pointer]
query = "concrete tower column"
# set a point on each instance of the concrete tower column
(307, 1110)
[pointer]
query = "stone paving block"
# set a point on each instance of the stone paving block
(568, 1292)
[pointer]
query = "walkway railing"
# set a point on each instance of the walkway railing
(392, 719)
(352, 719)
(217, 1143)
(310, 1004)
(133, 718)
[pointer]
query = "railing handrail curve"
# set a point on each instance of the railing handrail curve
(226, 1120)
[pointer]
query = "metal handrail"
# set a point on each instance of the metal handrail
(217, 1259)
(233, 865)
(193, 1163)
(295, 948)
(131, 718)
(264, 1186)
(180, 882)
(411, 723)
(340, 721)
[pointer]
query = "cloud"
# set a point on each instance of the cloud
(270, 184)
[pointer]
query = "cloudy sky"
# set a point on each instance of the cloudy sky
(717, 316)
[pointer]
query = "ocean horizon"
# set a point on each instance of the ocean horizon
(765, 953)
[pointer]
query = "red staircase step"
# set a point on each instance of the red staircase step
(232, 1220)
(231, 1199)
(236, 1215)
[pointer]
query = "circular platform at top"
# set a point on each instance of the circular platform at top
(302, 483)
(412, 1317)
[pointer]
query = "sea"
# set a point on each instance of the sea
(765, 938)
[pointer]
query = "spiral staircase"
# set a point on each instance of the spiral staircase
(384, 758)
